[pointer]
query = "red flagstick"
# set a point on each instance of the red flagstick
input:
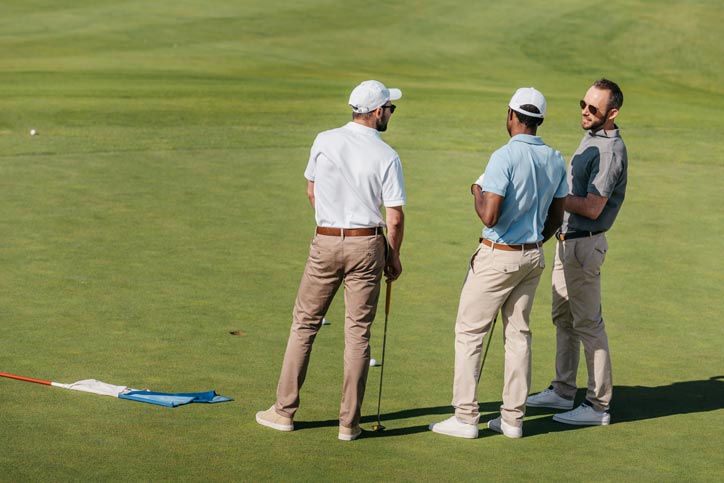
(27, 379)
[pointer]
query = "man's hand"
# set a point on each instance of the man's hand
(393, 267)
(395, 230)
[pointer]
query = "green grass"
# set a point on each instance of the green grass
(163, 204)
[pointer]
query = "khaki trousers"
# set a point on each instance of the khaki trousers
(356, 262)
(576, 313)
(502, 281)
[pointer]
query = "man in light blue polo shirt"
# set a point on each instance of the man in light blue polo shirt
(520, 201)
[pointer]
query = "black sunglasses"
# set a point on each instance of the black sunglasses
(591, 108)
(391, 107)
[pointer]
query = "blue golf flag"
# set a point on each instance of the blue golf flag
(173, 400)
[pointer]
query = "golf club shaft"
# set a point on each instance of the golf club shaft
(485, 354)
(384, 344)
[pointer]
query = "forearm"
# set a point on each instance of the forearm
(549, 229)
(591, 206)
(395, 229)
(310, 192)
(554, 218)
(478, 200)
(487, 205)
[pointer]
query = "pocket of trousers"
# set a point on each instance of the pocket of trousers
(505, 266)
(471, 264)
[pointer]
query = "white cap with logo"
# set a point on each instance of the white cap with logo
(370, 95)
(528, 95)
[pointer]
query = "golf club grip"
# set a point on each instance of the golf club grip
(26, 379)
(387, 297)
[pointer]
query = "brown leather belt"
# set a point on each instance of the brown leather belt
(510, 248)
(322, 230)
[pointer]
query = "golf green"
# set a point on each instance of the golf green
(161, 206)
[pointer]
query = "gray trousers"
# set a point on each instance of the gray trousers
(577, 315)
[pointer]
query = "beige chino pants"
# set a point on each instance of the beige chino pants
(576, 313)
(503, 281)
(356, 262)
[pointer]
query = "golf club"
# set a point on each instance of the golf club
(485, 354)
(378, 426)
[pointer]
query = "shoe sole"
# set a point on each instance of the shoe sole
(457, 435)
(581, 423)
(278, 427)
(500, 431)
(349, 437)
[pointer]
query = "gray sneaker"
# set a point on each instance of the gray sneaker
(584, 415)
(549, 399)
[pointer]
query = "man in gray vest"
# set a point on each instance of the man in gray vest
(597, 178)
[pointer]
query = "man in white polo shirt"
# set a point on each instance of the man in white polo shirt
(351, 173)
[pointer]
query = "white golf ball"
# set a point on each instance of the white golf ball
(373, 362)
(33, 132)
(324, 322)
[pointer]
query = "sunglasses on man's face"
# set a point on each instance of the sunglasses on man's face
(591, 108)
(391, 107)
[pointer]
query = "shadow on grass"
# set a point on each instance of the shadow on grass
(638, 403)
(631, 403)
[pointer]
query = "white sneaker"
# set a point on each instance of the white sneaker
(452, 427)
(549, 399)
(500, 426)
(584, 415)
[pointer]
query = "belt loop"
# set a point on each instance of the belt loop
(341, 233)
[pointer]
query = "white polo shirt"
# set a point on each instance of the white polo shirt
(354, 173)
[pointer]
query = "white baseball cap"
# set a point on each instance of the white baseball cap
(370, 95)
(528, 95)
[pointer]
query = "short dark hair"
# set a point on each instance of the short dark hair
(362, 115)
(615, 101)
(529, 121)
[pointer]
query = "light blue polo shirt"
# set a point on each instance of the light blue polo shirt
(528, 174)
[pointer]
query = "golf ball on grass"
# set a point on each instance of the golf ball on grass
(33, 132)
(373, 362)
(324, 322)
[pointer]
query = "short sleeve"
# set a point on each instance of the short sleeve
(393, 185)
(497, 175)
(311, 170)
(609, 171)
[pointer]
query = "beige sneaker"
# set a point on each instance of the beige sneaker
(349, 434)
(272, 419)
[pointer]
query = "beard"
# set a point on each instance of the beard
(381, 124)
(597, 124)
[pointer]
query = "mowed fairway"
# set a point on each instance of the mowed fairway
(162, 205)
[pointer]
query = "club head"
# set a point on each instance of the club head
(378, 428)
